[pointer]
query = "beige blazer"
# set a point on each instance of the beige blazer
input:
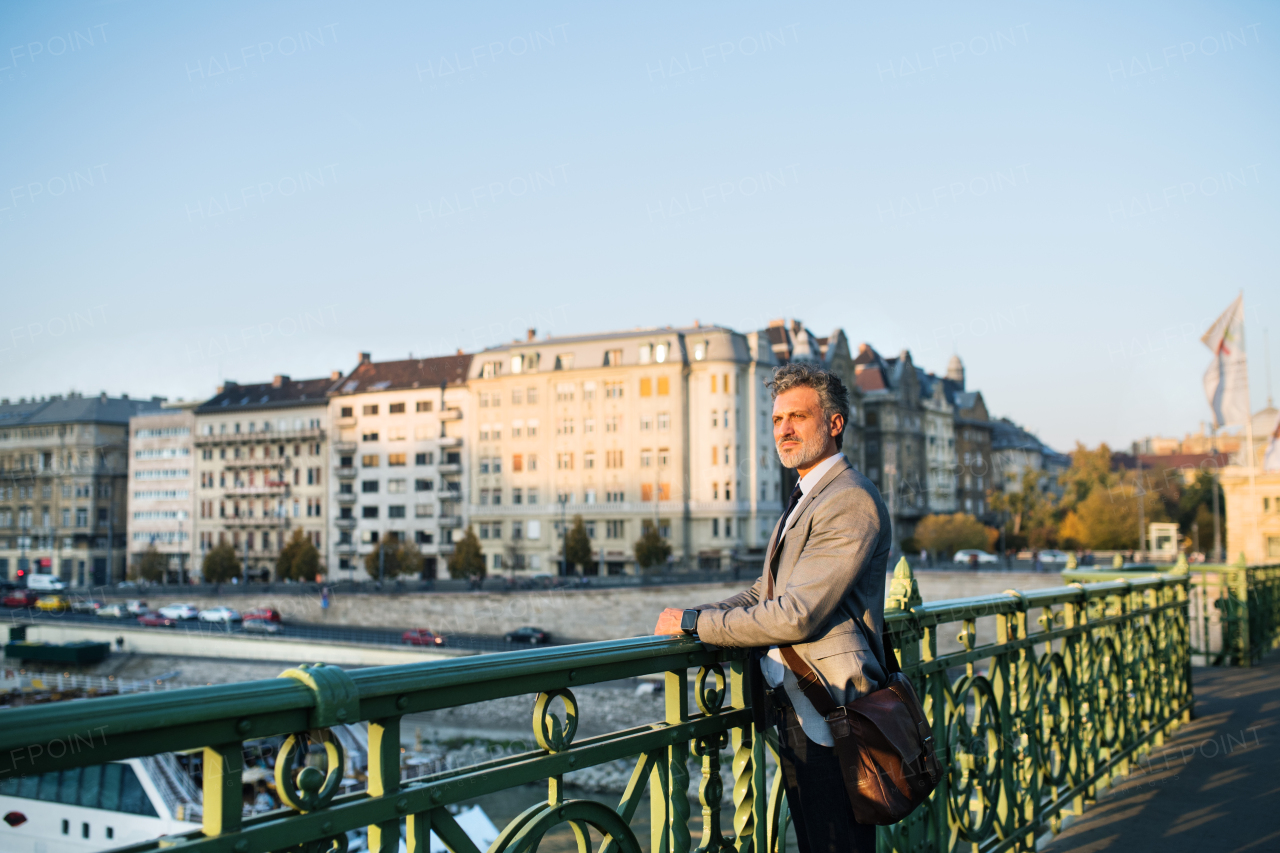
(829, 594)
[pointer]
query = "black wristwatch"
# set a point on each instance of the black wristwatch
(689, 622)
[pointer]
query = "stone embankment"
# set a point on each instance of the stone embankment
(579, 614)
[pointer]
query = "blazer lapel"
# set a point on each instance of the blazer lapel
(801, 509)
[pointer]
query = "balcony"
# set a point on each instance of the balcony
(345, 473)
(345, 422)
(346, 498)
(344, 447)
(227, 439)
(450, 441)
(281, 462)
(345, 523)
(346, 549)
(445, 549)
(451, 415)
(450, 468)
(450, 521)
(273, 490)
(270, 521)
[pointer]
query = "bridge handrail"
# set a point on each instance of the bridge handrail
(1057, 711)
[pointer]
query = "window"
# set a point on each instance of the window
(613, 390)
(646, 353)
(517, 427)
(484, 399)
(497, 497)
(424, 510)
(423, 485)
(646, 387)
(663, 457)
(613, 459)
(517, 496)
(497, 432)
(564, 426)
(368, 512)
(396, 434)
(611, 423)
(713, 383)
(531, 395)
(369, 460)
(490, 369)
(646, 423)
(345, 412)
(517, 463)
(715, 491)
(646, 458)
(699, 350)
(395, 409)
(427, 458)
(532, 495)
(588, 460)
(369, 436)
(589, 497)
(564, 461)
(564, 361)
(533, 428)
(646, 492)
(664, 421)
(615, 529)
(515, 396)
(370, 410)
(396, 487)
(422, 406)
(564, 392)
(422, 537)
(613, 358)
(664, 386)
(396, 459)
(483, 464)
(484, 497)
(588, 425)
(395, 511)
(715, 527)
(533, 465)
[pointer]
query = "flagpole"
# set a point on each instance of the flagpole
(1248, 430)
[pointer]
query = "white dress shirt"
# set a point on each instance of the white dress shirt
(774, 670)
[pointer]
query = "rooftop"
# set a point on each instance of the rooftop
(280, 392)
(372, 375)
(74, 408)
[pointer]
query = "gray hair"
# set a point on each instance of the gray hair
(832, 393)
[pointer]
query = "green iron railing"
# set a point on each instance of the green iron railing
(1065, 688)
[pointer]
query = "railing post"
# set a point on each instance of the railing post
(749, 824)
(223, 799)
(676, 692)
(384, 779)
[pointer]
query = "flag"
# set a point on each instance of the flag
(1226, 382)
(1271, 462)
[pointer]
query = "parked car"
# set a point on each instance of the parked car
(179, 611)
(155, 620)
(53, 604)
(136, 607)
(528, 634)
(261, 626)
(219, 614)
(421, 637)
(269, 614)
(1053, 556)
(86, 605)
(966, 555)
(21, 598)
(45, 583)
(113, 611)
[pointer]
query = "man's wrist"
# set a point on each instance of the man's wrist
(689, 622)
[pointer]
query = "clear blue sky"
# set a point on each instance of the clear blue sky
(1065, 194)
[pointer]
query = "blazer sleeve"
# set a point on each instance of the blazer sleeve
(746, 598)
(842, 536)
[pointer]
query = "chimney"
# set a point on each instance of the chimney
(777, 324)
(531, 334)
(102, 397)
(697, 324)
(335, 375)
(365, 358)
(278, 380)
(460, 352)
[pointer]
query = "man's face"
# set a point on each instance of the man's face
(800, 430)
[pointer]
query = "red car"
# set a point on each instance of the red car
(155, 620)
(421, 637)
(21, 598)
(267, 614)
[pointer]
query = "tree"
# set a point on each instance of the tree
(221, 564)
(1108, 518)
(577, 545)
(1089, 469)
(945, 534)
(651, 548)
(299, 560)
(152, 566)
(468, 559)
(392, 558)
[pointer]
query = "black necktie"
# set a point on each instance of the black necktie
(796, 496)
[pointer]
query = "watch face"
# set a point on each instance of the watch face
(689, 621)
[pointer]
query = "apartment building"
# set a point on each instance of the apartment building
(261, 458)
(64, 465)
(938, 412)
(658, 426)
(399, 462)
(974, 472)
(162, 485)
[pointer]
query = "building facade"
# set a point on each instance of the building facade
(400, 460)
(162, 485)
(973, 444)
(64, 463)
(896, 460)
(261, 455)
(1252, 514)
(666, 427)
(1014, 451)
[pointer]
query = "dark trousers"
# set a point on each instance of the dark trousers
(820, 809)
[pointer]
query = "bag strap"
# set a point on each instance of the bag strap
(808, 680)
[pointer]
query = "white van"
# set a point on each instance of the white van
(45, 583)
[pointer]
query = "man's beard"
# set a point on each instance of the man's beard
(809, 452)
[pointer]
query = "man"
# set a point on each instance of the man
(827, 559)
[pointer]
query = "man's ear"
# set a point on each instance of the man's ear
(836, 425)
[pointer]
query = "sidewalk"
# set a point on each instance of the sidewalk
(1215, 786)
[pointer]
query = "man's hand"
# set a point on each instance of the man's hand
(669, 622)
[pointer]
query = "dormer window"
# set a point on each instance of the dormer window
(490, 369)
(699, 350)
(517, 364)
(660, 353)
(564, 361)
(646, 353)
